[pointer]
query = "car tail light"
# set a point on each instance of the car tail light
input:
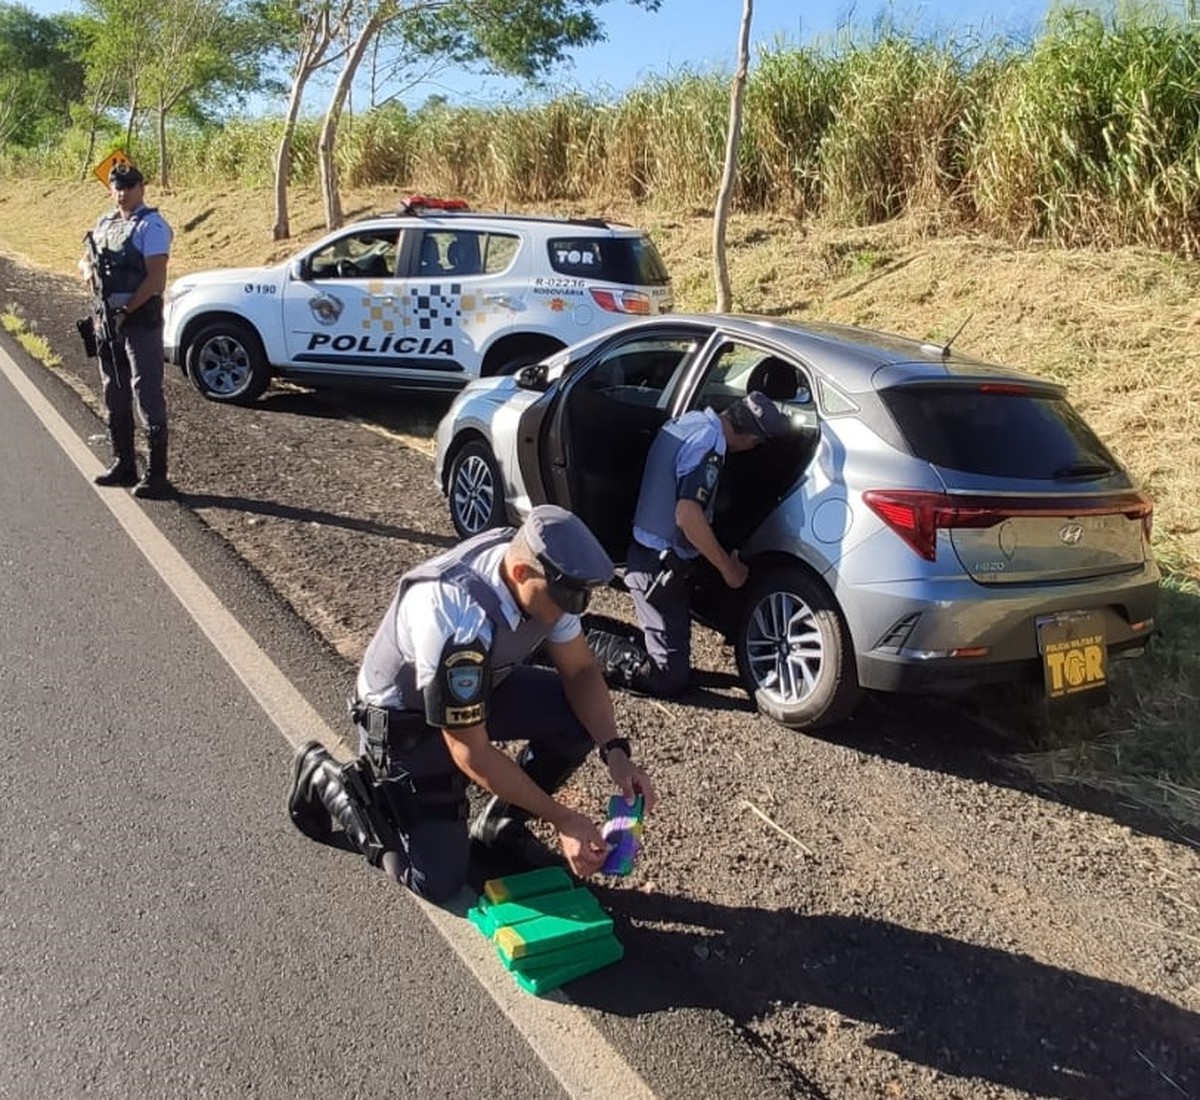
(917, 516)
(622, 301)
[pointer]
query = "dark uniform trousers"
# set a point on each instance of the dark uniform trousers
(664, 611)
(131, 369)
(528, 705)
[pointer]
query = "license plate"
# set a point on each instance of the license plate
(1074, 656)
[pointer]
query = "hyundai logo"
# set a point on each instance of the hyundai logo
(1070, 533)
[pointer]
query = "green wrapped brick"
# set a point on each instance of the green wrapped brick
(545, 880)
(543, 979)
(552, 931)
(488, 917)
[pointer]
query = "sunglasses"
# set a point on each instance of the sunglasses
(569, 593)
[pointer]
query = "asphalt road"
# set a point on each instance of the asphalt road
(165, 931)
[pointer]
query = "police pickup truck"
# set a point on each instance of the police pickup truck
(426, 298)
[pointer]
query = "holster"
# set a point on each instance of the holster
(388, 731)
(381, 835)
(87, 333)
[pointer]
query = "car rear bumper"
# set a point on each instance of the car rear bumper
(952, 676)
(956, 642)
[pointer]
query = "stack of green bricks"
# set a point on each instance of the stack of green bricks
(546, 929)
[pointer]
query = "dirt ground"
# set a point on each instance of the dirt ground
(888, 912)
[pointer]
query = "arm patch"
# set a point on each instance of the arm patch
(458, 694)
(700, 484)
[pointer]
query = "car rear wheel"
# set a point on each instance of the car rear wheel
(475, 491)
(225, 362)
(794, 651)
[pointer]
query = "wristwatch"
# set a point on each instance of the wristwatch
(621, 743)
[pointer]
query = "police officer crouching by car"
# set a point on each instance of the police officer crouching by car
(127, 264)
(442, 680)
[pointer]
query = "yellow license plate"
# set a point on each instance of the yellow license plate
(1074, 656)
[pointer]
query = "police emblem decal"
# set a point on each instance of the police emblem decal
(465, 683)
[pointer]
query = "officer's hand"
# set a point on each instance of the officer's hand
(119, 318)
(582, 844)
(631, 780)
(736, 573)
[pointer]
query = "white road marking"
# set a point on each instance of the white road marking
(559, 1033)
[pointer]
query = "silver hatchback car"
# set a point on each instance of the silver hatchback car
(933, 523)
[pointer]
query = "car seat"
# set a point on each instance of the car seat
(462, 256)
(431, 256)
(773, 378)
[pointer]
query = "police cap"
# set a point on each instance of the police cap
(572, 557)
(756, 414)
(123, 176)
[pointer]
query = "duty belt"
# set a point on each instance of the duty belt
(388, 729)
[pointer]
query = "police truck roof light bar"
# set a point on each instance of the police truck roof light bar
(418, 204)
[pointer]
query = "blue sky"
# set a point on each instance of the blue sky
(701, 35)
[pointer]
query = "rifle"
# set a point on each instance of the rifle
(99, 326)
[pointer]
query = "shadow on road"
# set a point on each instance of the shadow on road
(954, 1007)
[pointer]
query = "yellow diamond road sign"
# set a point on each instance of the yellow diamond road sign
(117, 156)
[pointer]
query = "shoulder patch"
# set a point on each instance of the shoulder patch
(458, 693)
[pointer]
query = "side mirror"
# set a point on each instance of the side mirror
(533, 377)
(298, 271)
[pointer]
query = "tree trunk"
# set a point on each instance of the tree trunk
(733, 141)
(283, 158)
(328, 138)
(164, 174)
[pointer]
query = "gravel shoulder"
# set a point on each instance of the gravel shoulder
(889, 911)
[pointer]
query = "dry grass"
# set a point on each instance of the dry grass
(1121, 329)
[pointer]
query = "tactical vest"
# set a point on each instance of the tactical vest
(122, 266)
(384, 665)
(656, 500)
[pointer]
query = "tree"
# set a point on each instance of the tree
(39, 75)
(169, 55)
(733, 139)
(522, 38)
(204, 51)
(316, 26)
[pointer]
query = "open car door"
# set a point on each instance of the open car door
(594, 447)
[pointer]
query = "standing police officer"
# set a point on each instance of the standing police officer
(443, 679)
(672, 530)
(132, 245)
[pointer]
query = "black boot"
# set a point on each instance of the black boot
(501, 827)
(623, 662)
(319, 800)
(154, 484)
(123, 470)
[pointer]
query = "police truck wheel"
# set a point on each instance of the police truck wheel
(225, 362)
(794, 651)
(475, 490)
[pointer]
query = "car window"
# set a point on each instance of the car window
(366, 254)
(996, 431)
(633, 261)
(464, 252)
(640, 371)
(738, 369)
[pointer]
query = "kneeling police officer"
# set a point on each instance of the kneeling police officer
(443, 679)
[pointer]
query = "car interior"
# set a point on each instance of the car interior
(617, 407)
